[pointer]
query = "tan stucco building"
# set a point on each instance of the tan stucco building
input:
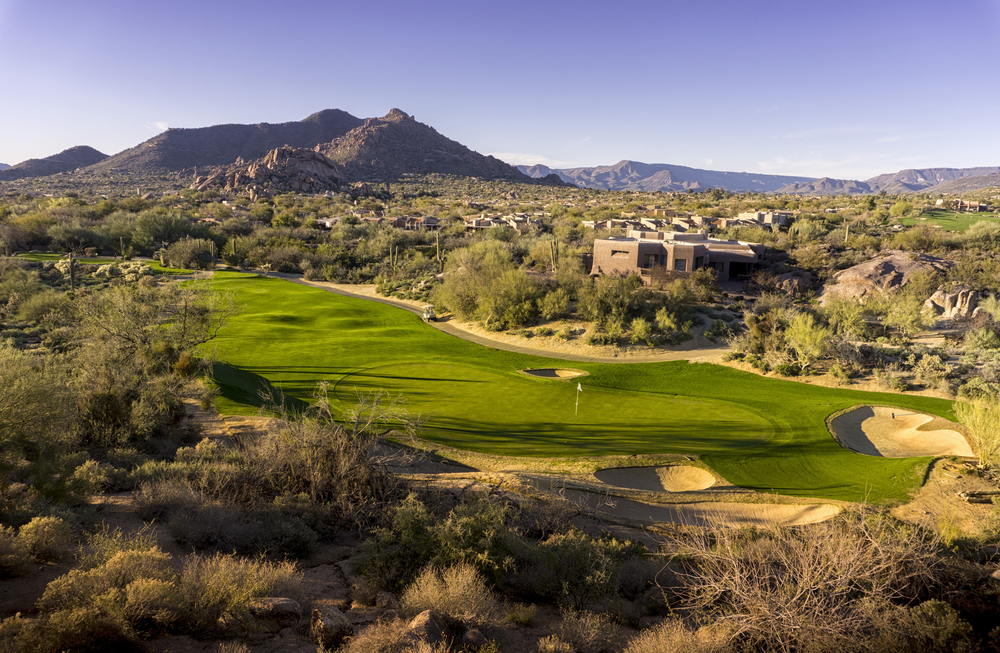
(641, 251)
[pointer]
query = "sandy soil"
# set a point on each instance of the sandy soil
(937, 506)
(675, 478)
(892, 432)
(550, 373)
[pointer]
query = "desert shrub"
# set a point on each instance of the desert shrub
(473, 533)
(577, 568)
(981, 338)
(14, 555)
(589, 632)
(545, 331)
(46, 538)
(390, 637)
(642, 331)
(43, 305)
(552, 644)
(159, 499)
(458, 593)
(521, 614)
(82, 587)
(80, 630)
(674, 636)
(554, 304)
(212, 586)
(783, 589)
(226, 528)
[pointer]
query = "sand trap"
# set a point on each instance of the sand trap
(676, 478)
(892, 432)
(553, 373)
(706, 513)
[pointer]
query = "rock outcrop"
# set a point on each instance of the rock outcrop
(286, 169)
(329, 626)
(882, 275)
(794, 283)
(960, 304)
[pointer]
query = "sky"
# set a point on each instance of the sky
(847, 89)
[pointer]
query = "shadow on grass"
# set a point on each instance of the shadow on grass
(246, 388)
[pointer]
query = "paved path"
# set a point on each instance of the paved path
(698, 355)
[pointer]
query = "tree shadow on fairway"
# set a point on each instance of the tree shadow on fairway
(247, 388)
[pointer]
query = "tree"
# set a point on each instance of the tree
(981, 418)
(809, 339)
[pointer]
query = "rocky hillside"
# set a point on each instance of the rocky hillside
(934, 180)
(222, 145)
(71, 159)
(285, 169)
(397, 145)
(634, 175)
(882, 275)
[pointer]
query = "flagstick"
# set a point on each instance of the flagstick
(576, 412)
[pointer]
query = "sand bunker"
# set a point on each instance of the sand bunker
(553, 373)
(675, 478)
(892, 432)
(705, 513)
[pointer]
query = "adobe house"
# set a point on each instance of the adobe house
(642, 250)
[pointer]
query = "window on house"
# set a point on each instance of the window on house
(619, 254)
(680, 265)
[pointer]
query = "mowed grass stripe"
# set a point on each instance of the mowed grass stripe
(295, 336)
(483, 411)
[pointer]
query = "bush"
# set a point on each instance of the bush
(674, 637)
(554, 304)
(458, 593)
(14, 555)
(578, 568)
(642, 331)
(46, 538)
(545, 331)
(589, 632)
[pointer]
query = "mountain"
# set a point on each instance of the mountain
(3, 166)
(930, 180)
(968, 184)
(220, 145)
(634, 175)
(827, 186)
(908, 181)
(71, 159)
(397, 145)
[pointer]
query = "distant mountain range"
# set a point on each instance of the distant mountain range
(71, 159)
(376, 148)
(3, 166)
(633, 175)
(396, 145)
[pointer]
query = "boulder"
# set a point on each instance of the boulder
(429, 627)
(281, 612)
(961, 304)
(882, 275)
(386, 601)
(794, 283)
(329, 626)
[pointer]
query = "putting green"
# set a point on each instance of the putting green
(470, 408)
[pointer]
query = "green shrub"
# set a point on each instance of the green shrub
(589, 632)
(14, 555)
(674, 636)
(46, 538)
(458, 593)
(578, 568)
(545, 331)
(554, 304)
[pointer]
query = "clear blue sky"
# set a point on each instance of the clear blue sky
(845, 89)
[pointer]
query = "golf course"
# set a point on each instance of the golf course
(762, 434)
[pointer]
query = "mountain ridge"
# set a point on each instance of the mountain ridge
(72, 158)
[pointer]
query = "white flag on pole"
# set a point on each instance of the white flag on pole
(579, 388)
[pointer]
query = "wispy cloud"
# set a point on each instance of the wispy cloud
(159, 125)
(898, 138)
(709, 162)
(527, 159)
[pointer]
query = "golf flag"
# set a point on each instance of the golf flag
(579, 388)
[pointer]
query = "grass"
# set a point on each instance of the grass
(154, 265)
(759, 433)
(950, 220)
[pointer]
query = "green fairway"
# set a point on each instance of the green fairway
(759, 433)
(950, 220)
